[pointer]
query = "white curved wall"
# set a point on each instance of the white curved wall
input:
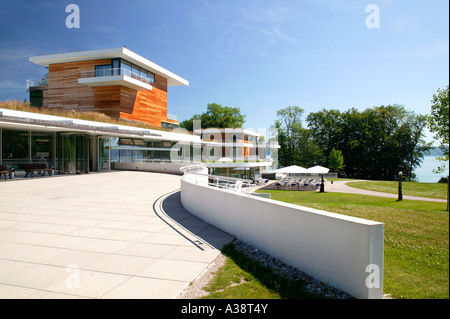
(173, 168)
(333, 248)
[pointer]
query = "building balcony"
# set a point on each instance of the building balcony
(116, 76)
(36, 84)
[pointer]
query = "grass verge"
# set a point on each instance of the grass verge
(432, 190)
(243, 278)
(416, 245)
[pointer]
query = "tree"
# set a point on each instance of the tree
(438, 123)
(376, 143)
(325, 128)
(307, 152)
(297, 144)
(336, 160)
(44, 80)
(288, 123)
(217, 116)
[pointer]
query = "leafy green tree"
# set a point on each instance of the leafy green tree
(297, 144)
(288, 124)
(217, 116)
(438, 123)
(336, 160)
(376, 143)
(325, 129)
(307, 152)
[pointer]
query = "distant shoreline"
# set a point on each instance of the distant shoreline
(424, 173)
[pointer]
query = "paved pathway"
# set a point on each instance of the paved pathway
(104, 235)
(342, 187)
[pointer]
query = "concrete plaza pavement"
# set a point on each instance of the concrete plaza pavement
(104, 235)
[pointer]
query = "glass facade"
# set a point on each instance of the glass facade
(66, 152)
(75, 152)
(43, 148)
(15, 147)
(104, 153)
(121, 66)
(103, 70)
(169, 125)
(128, 150)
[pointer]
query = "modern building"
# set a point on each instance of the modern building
(236, 152)
(124, 86)
(79, 146)
(116, 82)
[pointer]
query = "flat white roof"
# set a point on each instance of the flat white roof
(124, 53)
(227, 131)
(28, 120)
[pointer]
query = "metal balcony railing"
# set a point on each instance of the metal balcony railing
(172, 117)
(239, 185)
(35, 83)
(115, 72)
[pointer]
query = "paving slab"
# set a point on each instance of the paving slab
(103, 235)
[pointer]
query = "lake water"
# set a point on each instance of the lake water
(425, 173)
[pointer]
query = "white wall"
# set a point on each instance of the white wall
(332, 248)
(153, 167)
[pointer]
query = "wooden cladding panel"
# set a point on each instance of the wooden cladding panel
(148, 106)
(65, 92)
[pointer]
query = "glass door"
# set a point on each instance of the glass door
(104, 154)
(42, 148)
(74, 153)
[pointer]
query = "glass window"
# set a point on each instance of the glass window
(42, 148)
(166, 144)
(15, 148)
(151, 77)
(135, 70)
(104, 153)
(142, 73)
(114, 150)
(126, 67)
(125, 141)
(139, 143)
(125, 156)
(103, 70)
(116, 63)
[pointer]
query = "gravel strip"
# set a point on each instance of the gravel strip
(311, 285)
(195, 289)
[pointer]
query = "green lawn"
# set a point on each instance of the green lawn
(416, 246)
(432, 190)
(243, 278)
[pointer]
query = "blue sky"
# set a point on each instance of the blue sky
(260, 56)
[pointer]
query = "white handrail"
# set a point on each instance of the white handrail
(115, 72)
(224, 182)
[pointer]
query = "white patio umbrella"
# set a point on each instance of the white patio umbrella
(293, 169)
(318, 170)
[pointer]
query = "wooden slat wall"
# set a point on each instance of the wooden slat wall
(148, 106)
(64, 92)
